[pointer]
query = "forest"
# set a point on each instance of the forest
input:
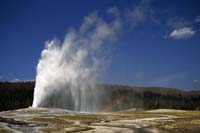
(16, 95)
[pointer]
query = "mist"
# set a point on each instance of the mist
(68, 71)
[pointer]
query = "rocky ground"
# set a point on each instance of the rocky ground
(129, 121)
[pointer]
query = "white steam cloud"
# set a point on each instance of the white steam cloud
(67, 72)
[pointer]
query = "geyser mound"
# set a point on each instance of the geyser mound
(67, 73)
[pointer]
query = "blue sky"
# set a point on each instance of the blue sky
(159, 44)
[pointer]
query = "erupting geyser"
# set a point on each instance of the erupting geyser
(67, 73)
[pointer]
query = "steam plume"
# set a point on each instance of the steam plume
(67, 72)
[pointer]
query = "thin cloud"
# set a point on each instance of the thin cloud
(165, 36)
(178, 22)
(15, 80)
(139, 13)
(197, 19)
(182, 33)
(168, 80)
(196, 81)
(114, 11)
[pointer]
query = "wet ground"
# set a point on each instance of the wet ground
(129, 121)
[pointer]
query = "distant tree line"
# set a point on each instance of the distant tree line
(152, 98)
(16, 95)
